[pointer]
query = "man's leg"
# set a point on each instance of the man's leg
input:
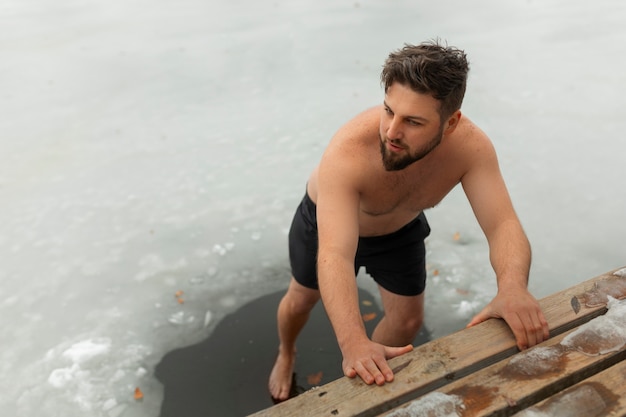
(402, 321)
(293, 313)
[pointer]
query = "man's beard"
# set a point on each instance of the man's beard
(397, 162)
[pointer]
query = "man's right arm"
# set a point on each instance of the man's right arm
(338, 227)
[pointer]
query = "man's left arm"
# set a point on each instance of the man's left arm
(509, 249)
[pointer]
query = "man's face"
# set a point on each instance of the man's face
(410, 127)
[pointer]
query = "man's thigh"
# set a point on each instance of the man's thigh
(402, 308)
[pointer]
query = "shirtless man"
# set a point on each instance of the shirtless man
(365, 204)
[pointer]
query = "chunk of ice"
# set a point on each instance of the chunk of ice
(181, 318)
(583, 400)
(620, 273)
(603, 334)
(118, 375)
(535, 362)
(83, 351)
(435, 404)
(467, 308)
(219, 249)
(109, 404)
(602, 290)
(196, 280)
(59, 378)
(532, 412)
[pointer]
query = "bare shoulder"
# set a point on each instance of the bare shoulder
(355, 140)
(469, 134)
(471, 144)
(346, 158)
(481, 178)
(360, 128)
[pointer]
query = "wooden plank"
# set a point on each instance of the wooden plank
(444, 360)
(524, 379)
(601, 395)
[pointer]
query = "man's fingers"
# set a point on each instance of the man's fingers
(383, 366)
(392, 352)
(349, 372)
(363, 373)
(541, 328)
(480, 317)
(369, 373)
(520, 332)
(371, 366)
(380, 372)
(532, 331)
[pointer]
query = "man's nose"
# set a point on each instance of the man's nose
(394, 130)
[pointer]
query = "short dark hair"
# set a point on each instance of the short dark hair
(430, 68)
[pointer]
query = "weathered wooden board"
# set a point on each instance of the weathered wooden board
(442, 361)
(526, 378)
(601, 395)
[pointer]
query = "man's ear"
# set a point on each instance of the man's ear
(452, 122)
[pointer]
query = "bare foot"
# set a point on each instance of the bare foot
(281, 377)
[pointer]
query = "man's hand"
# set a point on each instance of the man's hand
(522, 313)
(368, 360)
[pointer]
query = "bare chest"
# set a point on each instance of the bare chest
(403, 195)
(411, 198)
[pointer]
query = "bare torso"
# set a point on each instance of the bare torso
(391, 199)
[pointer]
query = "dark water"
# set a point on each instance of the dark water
(226, 374)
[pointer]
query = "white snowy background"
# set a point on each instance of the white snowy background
(151, 147)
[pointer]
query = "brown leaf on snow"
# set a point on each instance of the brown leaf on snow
(138, 394)
(369, 316)
(314, 379)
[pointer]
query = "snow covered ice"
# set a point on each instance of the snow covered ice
(603, 334)
(435, 404)
(535, 363)
(148, 148)
(580, 400)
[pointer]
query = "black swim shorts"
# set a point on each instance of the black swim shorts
(396, 261)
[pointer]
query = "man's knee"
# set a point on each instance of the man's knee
(300, 299)
(410, 326)
(405, 314)
(394, 330)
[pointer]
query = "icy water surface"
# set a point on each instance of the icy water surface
(152, 154)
